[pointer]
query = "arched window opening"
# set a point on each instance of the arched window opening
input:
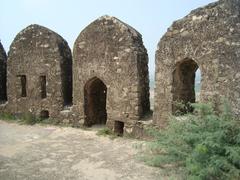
(44, 114)
(186, 86)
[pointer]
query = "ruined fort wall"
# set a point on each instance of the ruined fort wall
(113, 52)
(36, 53)
(209, 36)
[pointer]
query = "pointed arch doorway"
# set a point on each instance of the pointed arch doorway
(95, 94)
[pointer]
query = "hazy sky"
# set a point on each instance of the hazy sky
(69, 17)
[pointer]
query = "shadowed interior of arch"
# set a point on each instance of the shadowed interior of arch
(44, 114)
(184, 82)
(95, 94)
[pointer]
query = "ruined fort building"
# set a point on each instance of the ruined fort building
(207, 39)
(39, 71)
(110, 75)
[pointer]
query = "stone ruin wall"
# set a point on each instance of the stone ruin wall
(107, 49)
(39, 56)
(210, 37)
(113, 52)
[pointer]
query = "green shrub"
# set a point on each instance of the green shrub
(206, 145)
(7, 117)
(27, 118)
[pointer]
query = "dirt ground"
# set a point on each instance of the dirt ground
(59, 153)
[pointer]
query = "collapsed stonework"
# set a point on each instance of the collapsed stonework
(39, 72)
(110, 75)
(209, 39)
(3, 74)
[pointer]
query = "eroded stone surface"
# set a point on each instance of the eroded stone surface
(112, 52)
(210, 37)
(39, 72)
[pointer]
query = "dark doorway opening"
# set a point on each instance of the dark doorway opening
(184, 86)
(95, 94)
(119, 128)
(44, 114)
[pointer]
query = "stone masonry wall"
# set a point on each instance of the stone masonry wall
(112, 51)
(41, 56)
(109, 81)
(210, 37)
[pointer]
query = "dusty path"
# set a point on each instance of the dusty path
(55, 153)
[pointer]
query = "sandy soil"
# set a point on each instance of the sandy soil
(55, 153)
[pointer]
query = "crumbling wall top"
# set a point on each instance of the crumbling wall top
(110, 27)
(203, 20)
(35, 37)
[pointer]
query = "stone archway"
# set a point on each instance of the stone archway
(184, 86)
(95, 94)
